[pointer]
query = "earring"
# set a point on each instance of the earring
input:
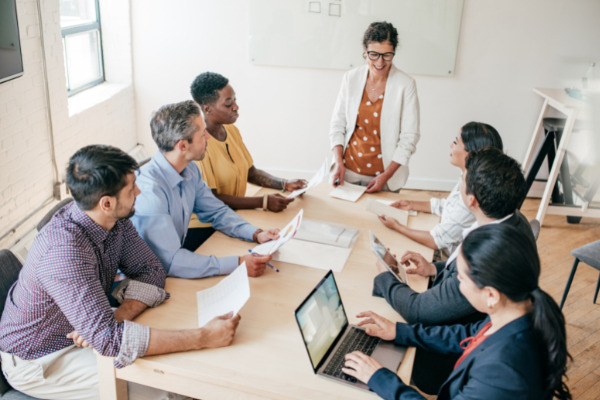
(490, 304)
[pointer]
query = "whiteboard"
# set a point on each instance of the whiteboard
(328, 33)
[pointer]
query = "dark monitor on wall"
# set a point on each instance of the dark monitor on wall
(11, 62)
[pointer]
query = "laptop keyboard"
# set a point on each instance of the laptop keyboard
(356, 340)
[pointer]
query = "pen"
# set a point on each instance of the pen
(336, 182)
(269, 264)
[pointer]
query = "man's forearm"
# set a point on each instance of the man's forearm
(129, 309)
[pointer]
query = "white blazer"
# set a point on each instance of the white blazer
(399, 124)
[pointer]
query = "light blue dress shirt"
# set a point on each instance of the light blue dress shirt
(163, 211)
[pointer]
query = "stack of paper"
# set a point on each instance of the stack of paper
(327, 233)
(320, 245)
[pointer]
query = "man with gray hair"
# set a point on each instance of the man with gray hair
(172, 189)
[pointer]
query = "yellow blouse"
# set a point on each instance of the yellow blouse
(225, 166)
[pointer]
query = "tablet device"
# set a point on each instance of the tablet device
(387, 259)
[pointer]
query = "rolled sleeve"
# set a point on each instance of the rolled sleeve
(150, 295)
(133, 345)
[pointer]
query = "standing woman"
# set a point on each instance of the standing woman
(518, 352)
(375, 123)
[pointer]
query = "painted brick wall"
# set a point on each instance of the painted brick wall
(26, 171)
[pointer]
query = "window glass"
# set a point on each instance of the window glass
(77, 12)
(82, 59)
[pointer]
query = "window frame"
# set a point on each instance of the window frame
(76, 29)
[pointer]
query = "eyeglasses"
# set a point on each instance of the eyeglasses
(374, 56)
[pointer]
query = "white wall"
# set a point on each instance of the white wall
(505, 49)
(27, 174)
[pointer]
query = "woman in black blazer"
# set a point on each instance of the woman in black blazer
(518, 352)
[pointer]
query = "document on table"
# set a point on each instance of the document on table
(348, 191)
(314, 255)
(315, 180)
(285, 235)
(228, 295)
(383, 207)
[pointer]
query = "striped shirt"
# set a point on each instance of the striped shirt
(64, 284)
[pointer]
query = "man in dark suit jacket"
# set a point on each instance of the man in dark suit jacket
(493, 188)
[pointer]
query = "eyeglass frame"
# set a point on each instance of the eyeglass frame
(367, 54)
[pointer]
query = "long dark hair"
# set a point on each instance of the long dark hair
(477, 135)
(502, 257)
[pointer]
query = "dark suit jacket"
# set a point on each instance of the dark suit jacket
(508, 365)
(442, 303)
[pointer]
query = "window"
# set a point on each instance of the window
(82, 43)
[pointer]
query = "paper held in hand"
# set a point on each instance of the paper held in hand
(348, 191)
(285, 235)
(314, 181)
(228, 295)
(382, 207)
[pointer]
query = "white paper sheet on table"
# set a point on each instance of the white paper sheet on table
(314, 255)
(348, 191)
(228, 295)
(285, 235)
(379, 207)
(314, 181)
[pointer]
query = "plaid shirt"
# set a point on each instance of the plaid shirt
(64, 283)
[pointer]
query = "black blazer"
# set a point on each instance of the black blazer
(508, 365)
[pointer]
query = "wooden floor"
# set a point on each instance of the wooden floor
(557, 239)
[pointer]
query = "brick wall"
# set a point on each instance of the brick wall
(27, 175)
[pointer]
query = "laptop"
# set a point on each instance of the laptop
(387, 259)
(328, 337)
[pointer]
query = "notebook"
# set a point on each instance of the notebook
(328, 336)
(387, 259)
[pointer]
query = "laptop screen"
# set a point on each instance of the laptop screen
(321, 318)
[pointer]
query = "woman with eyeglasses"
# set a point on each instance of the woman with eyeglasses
(374, 128)
(518, 352)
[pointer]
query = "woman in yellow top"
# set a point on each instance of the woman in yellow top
(228, 165)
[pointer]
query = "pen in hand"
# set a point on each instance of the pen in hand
(269, 264)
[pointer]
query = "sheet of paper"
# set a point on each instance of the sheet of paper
(285, 235)
(315, 180)
(412, 213)
(313, 255)
(228, 295)
(348, 191)
(379, 207)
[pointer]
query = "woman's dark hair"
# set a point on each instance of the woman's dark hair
(477, 135)
(503, 257)
(380, 32)
(206, 86)
(98, 170)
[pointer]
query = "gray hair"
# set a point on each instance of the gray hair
(172, 123)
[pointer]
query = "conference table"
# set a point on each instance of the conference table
(267, 359)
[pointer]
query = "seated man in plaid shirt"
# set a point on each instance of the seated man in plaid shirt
(58, 310)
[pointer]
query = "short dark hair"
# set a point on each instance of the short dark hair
(477, 135)
(206, 86)
(172, 123)
(98, 170)
(496, 181)
(380, 32)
